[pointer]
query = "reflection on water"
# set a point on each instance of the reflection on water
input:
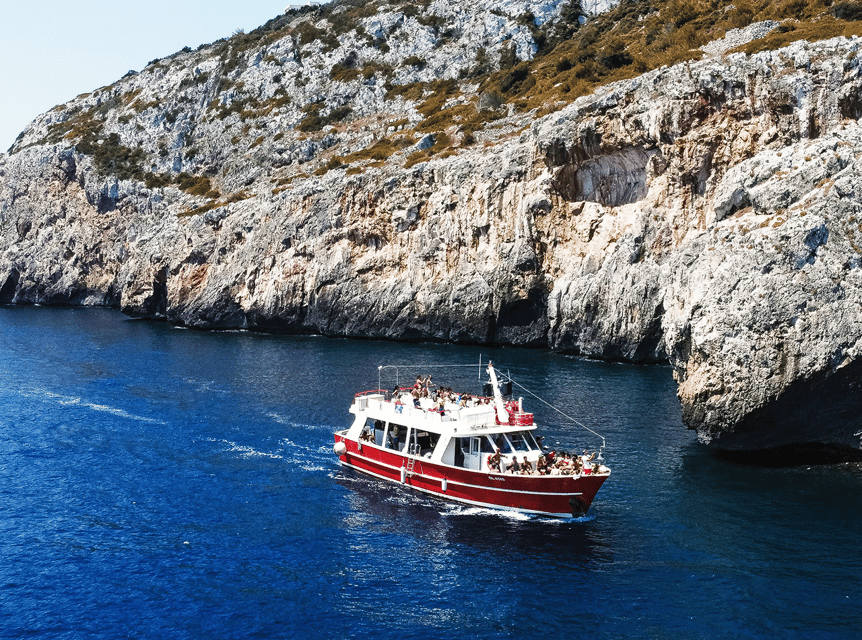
(569, 542)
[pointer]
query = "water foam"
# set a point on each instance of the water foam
(72, 401)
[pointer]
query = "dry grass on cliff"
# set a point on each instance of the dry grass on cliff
(573, 60)
(791, 31)
(633, 38)
(639, 36)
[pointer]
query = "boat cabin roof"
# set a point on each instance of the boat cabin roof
(481, 417)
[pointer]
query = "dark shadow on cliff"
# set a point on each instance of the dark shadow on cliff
(794, 455)
(815, 420)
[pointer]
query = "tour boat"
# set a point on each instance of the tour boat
(460, 448)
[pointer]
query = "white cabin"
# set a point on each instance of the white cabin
(459, 436)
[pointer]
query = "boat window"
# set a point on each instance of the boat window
(501, 443)
(426, 441)
(487, 445)
(531, 440)
(519, 441)
(379, 428)
(396, 437)
(474, 446)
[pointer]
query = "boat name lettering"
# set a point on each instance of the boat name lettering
(498, 478)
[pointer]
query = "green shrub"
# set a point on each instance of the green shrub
(333, 163)
(340, 73)
(157, 181)
(414, 61)
(113, 158)
(311, 123)
(195, 185)
(847, 10)
(338, 114)
(308, 32)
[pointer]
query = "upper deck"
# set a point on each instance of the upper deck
(479, 414)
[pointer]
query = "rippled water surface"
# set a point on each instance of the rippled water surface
(165, 483)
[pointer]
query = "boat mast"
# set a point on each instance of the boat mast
(502, 414)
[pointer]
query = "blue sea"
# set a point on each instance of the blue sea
(158, 482)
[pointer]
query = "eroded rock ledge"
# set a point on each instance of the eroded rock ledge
(708, 214)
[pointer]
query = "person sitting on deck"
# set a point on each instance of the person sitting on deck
(526, 467)
(561, 464)
(578, 465)
(494, 461)
(514, 467)
(542, 465)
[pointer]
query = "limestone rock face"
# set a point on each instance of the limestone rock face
(707, 214)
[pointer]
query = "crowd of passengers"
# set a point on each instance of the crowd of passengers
(553, 463)
(438, 396)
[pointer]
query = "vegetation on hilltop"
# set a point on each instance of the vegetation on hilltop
(572, 59)
(641, 35)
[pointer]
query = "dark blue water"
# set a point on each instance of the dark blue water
(166, 483)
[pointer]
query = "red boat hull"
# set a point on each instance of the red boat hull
(559, 496)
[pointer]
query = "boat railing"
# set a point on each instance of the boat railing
(362, 398)
(371, 392)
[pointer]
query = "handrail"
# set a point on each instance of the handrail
(507, 377)
(369, 392)
(568, 417)
(380, 368)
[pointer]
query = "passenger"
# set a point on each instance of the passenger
(526, 467)
(419, 382)
(416, 399)
(542, 465)
(563, 463)
(462, 402)
(514, 467)
(494, 461)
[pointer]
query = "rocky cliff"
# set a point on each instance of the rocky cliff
(385, 171)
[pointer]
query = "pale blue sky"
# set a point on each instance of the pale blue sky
(54, 50)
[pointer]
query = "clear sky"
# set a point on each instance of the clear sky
(54, 50)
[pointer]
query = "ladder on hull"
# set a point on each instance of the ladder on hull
(411, 462)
